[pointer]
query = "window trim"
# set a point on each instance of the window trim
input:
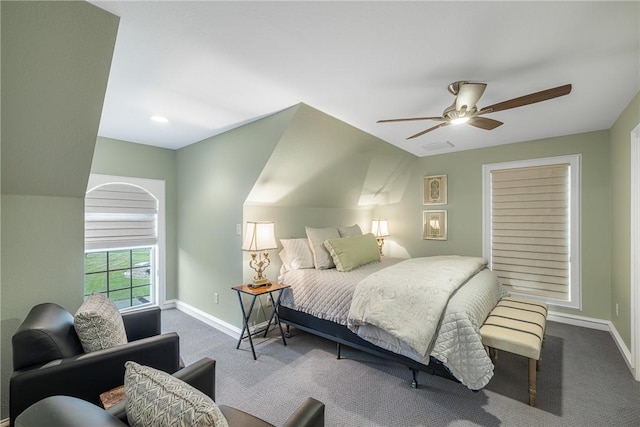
(157, 188)
(575, 217)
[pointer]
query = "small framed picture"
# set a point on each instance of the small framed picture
(434, 225)
(435, 190)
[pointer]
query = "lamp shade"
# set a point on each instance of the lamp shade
(380, 227)
(260, 236)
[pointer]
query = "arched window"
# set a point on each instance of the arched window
(122, 240)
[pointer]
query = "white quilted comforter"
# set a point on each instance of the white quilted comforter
(327, 294)
(407, 300)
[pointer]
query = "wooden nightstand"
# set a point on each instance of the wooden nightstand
(246, 315)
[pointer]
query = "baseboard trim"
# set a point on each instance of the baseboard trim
(599, 324)
(214, 322)
(626, 353)
(5, 422)
(207, 318)
(585, 322)
(168, 304)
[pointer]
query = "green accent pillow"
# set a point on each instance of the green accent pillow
(352, 252)
(348, 231)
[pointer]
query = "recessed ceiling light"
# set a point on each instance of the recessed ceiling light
(159, 119)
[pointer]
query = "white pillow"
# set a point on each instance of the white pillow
(99, 324)
(348, 231)
(157, 399)
(285, 261)
(321, 256)
(298, 253)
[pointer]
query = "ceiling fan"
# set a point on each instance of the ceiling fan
(464, 109)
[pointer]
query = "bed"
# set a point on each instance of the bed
(321, 301)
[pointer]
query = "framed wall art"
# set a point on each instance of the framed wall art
(434, 225)
(435, 190)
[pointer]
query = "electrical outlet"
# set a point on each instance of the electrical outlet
(239, 229)
(617, 311)
(216, 298)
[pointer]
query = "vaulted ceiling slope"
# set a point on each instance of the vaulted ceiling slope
(322, 162)
(212, 66)
(55, 65)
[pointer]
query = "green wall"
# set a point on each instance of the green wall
(621, 217)
(323, 162)
(464, 171)
(56, 58)
(297, 167)
(214, 178)
(115, 157)
(42, 261)
(55, 64)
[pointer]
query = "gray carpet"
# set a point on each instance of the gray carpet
(583, 382)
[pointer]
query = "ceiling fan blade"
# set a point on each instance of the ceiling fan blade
(532, 98)
(429, 130)
(410, 119)
(484, 123)
(469, 94)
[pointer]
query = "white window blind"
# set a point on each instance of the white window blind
(120, 215)
(530, 229)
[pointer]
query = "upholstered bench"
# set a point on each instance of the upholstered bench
(517, 325)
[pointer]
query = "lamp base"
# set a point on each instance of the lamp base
(259, 283)
(380, 244)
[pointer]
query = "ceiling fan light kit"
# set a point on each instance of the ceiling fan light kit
(459, 120)
(464, 108)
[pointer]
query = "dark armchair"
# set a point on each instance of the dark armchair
(48, 358)
(64, 411)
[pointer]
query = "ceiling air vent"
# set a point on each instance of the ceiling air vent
(438, 146)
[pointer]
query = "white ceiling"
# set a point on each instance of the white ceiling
(211, 66)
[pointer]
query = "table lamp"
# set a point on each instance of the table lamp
(259, 238)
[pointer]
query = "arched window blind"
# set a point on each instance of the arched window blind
(530, 229)
(118, 216)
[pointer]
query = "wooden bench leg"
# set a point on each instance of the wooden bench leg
(539, 364)
(532, 381)
(492, 352)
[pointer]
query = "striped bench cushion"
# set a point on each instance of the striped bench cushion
(516, 325)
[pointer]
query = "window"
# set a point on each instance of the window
(124, 275)
(124, 240)
(532, 227)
